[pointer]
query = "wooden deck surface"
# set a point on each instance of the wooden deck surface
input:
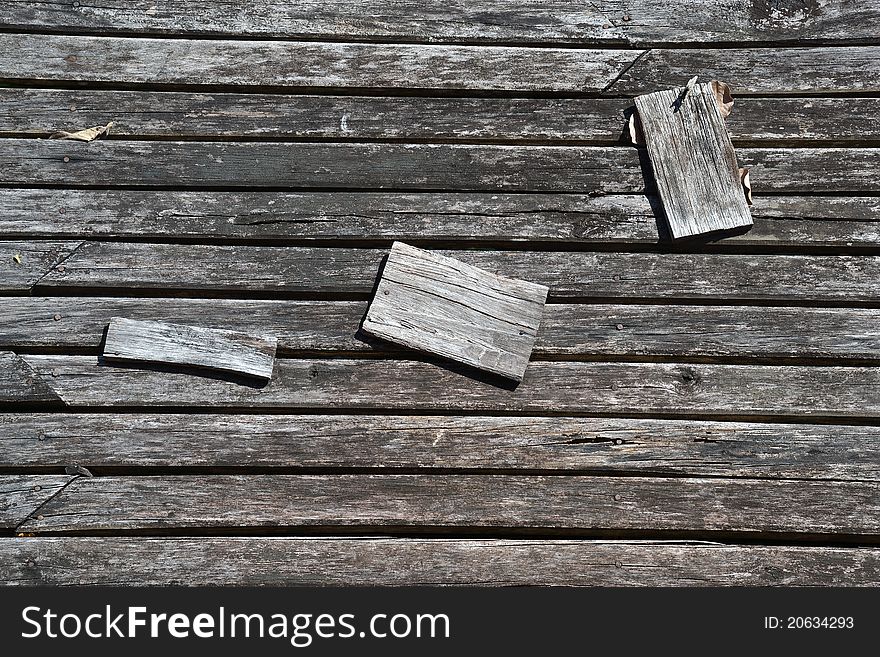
(695, 413)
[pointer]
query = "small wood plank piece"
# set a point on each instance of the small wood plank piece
(693, 160)
(159, 342)
(440, 305)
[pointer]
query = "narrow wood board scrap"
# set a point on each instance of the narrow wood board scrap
(178, 344)
(693, 160)
(440, 305)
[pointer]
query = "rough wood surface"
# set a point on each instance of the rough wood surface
(19, 384)
(24, 263)
(21, 495)
(290, 64)
(309, 64)
(425, 502)
(338, 271)
(693, 161)
(731, 391)
(440, 305)
(141, 341)
(761, 71)
(113, 443)
(137, 114)
(262, 561)
(630, 331)
(780, 221)
(441, 167)
(630, 22)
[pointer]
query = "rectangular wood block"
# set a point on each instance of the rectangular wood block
(443, 306)
(694, 161)
(160, 342)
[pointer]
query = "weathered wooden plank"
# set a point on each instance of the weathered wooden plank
(756, 71)
(288, 64)
(784, 221)
(318, 270)
(482, 21)
(20, 384)
(583, 169)
(310, 64)
(22, 495)
(262, 561)
(23, 263)
(571, 330)
(389, 502)
(442, 306)
(693, 161)
(141, 341)
(730, 391)
(40, 112)
(107, 443)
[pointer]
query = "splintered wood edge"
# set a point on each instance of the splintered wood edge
(245, 354)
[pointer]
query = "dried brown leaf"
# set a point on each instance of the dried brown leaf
(636, 134)
(746, 183)
(88, 134)
(723, 97)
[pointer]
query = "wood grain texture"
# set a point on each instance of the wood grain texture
(762, 71)
(262, 561)
(484, 21)
(441, 167)
(338, 271)
(842, 222)
(113, 443)
(21, 495)
(24, 263)
(141, 341)
(629, 331)
(19, 384)
(440, 305)
(281, 64)
(311, 64)
(137, 114)
(727, 391)
(400, 502)
(693, 160)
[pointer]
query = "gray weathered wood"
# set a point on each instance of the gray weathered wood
(666, 389)
(440, 305)
(480, 21)
(262, 561)
(108, 443)
(443, 167)
(291, 64)
(761, 71)
(780, 220)
(309, 64)
(316, 270)
(693, 161)
(22, 495)
(19, 384)
(839, 222)
(179, 344)
(630, 331)
(138, 114)
(24, 263)
(423, 502)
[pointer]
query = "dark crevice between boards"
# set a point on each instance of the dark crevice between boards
(128, 470)
(611, 43)
(269, 295)
(377, 349)
(713, 243)
(734, 537)
(793, 142)
(9, 408)
(83, 85)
